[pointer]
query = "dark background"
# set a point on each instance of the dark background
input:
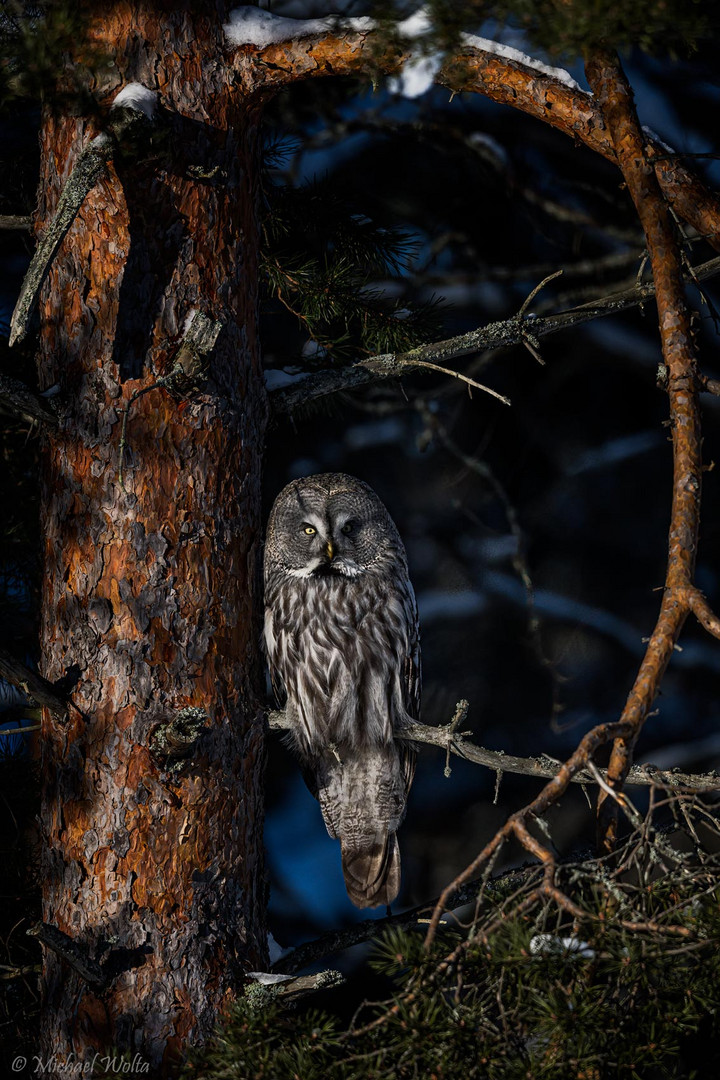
(495, 202)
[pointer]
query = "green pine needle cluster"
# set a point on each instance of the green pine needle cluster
(568, 28)
(35, 42)
(572, 27)
(520, 989)
(325, 263)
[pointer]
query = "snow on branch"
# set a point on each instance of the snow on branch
(253, 26)
(505, 79)
(472, 41)
(138, 97)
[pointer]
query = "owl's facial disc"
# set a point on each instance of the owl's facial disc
(330, 546)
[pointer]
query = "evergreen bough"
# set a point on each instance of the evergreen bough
(507, 993)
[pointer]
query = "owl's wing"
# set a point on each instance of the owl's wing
(278, 686)
(413, 682)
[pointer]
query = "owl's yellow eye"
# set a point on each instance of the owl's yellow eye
(347, 529)
(309, 530)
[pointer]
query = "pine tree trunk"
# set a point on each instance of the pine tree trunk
(151, 596)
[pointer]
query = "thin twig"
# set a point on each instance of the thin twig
(512, 331)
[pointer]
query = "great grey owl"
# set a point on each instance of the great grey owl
(342, 640)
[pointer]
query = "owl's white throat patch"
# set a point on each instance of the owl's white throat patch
(321, 568)
(345, 567)
(339, 567)
(304, 571)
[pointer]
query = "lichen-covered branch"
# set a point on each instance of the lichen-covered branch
(516, 824)
(514, 331)
(615, 100)
(20, 222)
(89, 169)
(453, 742)
(17, 399)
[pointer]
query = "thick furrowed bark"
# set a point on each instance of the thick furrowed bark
(151, 595)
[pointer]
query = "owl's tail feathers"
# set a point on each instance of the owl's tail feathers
(372, 875)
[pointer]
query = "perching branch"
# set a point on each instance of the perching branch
(33, 685)
(615, 99)
(453, 742)
(15, 221)
(514, 331)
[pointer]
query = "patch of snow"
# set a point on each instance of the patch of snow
(508, 53)
(138, 97)
(277, 379)
(375, 433)
(417, 75)
(266, 978)
(189, 320)
(418, 72)
(253, 26)
(556, 946)
(685, 753)
(10, 695)
(313, 349)
(490, 147)
(656, 139)
(416, 24)
(614, 451)
(444, 604)
(275, 951)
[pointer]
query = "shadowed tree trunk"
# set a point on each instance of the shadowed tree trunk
(150, 595)
(153, 877)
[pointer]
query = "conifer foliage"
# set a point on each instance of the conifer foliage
(611, 971)
(510, 991)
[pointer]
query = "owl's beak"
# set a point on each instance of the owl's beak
(329, 550)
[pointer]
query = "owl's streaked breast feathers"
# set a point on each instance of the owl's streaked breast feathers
(342, 639)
